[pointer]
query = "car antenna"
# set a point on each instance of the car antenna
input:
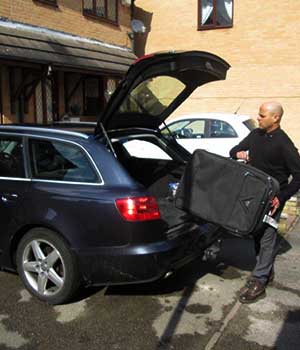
(107, 139)
(239, 107)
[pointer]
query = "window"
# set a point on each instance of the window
(153, 96)
(106, 9)
(219, 128)
(183, 129)
(48, 2)
(145, 149)
(11, 157)
(60, 161)
(215, 14)
(87, 95)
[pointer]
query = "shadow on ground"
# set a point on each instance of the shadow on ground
(289, 336)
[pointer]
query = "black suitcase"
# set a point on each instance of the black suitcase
(226, 192)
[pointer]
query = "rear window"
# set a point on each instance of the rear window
(145, 149)
(152, 96)
(251, 124)
(60, 161)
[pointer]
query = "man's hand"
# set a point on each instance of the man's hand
(243, 155)
(274, 205)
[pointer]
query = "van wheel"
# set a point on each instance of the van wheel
(47, 266)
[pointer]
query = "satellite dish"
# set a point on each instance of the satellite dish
(138, 26)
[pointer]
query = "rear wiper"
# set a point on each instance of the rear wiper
(170, 132)
(107, 139)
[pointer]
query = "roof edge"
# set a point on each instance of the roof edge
(7, 23)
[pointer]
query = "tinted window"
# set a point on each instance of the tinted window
(11, 157)
(60, 161)
(219, 128)
(152, 96)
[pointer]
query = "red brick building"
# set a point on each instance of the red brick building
(61, 58)
(260, 40)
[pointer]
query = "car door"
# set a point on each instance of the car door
(13, 189)
(68, 194)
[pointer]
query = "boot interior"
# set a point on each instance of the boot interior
(155, 175)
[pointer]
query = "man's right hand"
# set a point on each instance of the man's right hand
(243, 155)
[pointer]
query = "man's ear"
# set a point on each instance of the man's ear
(276, 117)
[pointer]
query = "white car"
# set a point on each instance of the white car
(214, 132)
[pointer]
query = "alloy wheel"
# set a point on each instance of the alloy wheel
(43, 267)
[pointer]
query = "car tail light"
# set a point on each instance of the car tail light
(143, 58)
(138, 208)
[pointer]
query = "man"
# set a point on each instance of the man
(269, 149)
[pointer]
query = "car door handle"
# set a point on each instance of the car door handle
(6, 197)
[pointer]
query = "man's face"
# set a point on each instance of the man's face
(266, 120)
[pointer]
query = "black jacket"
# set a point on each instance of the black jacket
(275, 154)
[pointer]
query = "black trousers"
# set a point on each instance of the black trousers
(266, 249)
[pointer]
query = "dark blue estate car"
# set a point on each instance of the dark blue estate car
(85, 205)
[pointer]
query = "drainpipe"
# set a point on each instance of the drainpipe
(132, 34)
(132, 10)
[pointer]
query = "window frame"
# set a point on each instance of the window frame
(214, 25)
(48, 2)
(93, 14)
(92, 163)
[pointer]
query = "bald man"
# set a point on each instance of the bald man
(269, 149)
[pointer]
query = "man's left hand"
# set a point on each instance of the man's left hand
(274, 205)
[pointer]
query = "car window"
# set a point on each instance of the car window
(197, 128)
(145, 149)
(187, 129)
(11, 157)
(174, 127)
(220, 128)
(60, 161)
(152, 96)
(251, 124)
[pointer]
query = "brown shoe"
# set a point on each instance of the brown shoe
(253, 291)
(250, 280)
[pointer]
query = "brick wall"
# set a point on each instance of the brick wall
(68, 17)
(263, 48)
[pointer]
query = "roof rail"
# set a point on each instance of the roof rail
(46, 130)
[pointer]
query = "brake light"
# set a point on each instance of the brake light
(138, 208)
(143, 58)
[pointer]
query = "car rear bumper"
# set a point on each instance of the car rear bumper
(143, 263)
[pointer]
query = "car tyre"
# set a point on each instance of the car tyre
(47, 266)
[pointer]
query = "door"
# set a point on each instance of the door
(13, 190)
